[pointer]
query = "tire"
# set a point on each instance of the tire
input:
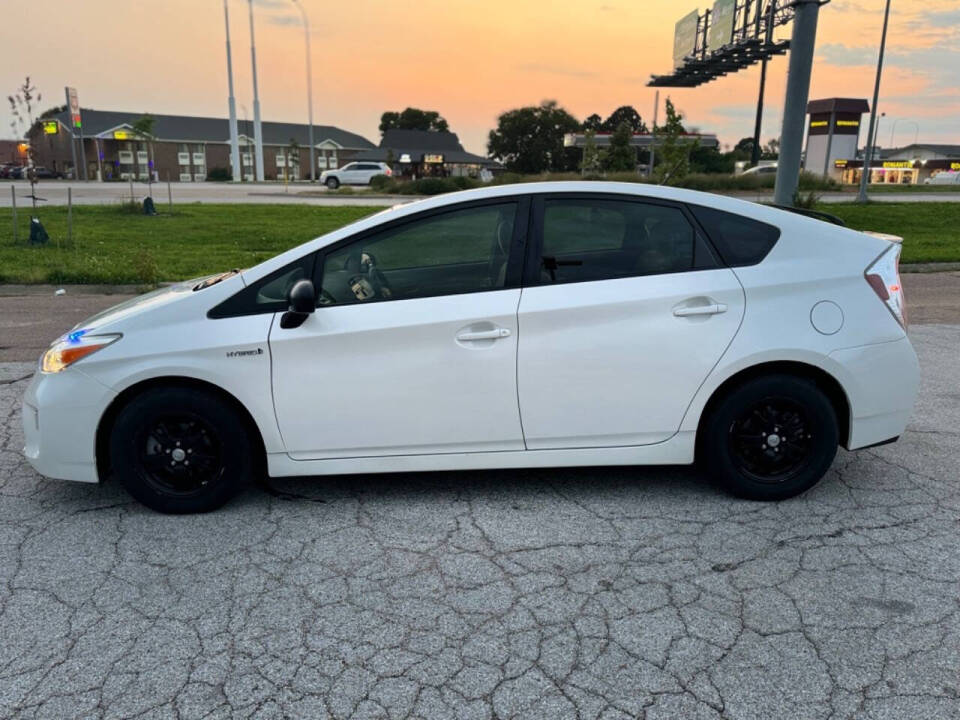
(333, 183)
(736, 442)
(180, 423)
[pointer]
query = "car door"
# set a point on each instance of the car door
(412, 348)
(350, 174)
(625, 311)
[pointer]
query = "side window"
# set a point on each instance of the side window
(268, 294)
(739, 240)
(600, 239)
(461, 251)
(349, 166)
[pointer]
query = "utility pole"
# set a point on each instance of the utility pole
(653, 131)
(771, 9)
(795, 104)
(868, 155)
(257, 129)
(232, 104)
(306, 31)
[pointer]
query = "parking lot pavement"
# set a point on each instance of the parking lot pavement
(589, 593)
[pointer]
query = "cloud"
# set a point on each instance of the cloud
(847, 55)
(284, 20)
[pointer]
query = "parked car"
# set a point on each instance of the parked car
(6, 169)
(16, 172)
(533, 325)
(42, 173)
(944, 178)
(762, 170)
(355, 173)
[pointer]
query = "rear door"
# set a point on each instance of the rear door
(625, 311)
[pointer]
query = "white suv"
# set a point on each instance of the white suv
(355, 173)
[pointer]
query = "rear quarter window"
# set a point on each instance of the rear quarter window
(739, 240)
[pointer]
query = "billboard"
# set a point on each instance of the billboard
(685, 38)
(720, 32)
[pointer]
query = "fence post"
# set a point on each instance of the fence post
(70, 215)
(132, 203)
(169, 193)
(13, 201)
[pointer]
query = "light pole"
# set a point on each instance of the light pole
(257, 129)
(306, 32)
(868, 155)
(232, 103)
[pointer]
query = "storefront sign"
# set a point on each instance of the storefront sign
(955, 166)
(122, 135)
(898, 164)
(840, 163)
(818, 123)
(848, 123)
(51, 127)
(405, 158)
(435, 159)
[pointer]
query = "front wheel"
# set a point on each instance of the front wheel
(771, 438)
(181, 450)
(333, 183)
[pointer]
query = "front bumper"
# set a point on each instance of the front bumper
(60, 415)
(881, 383)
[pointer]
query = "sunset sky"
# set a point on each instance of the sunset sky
(468, 60)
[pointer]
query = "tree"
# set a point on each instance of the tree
(530, 139)
(745, 146)
(711, 160)
(590, 164)
(620, 156)
(627, 114)
(673, 150)
(143, 129)
(413, 119)
(771, 151)
(593, 122)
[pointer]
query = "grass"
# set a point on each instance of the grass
(112, 245)
(930, 231)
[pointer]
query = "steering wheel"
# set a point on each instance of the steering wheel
(373, 275)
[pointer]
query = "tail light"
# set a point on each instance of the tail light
(388, 172)
(883, 275)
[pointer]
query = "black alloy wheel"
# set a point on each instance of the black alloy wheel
(180, 455)
(769, 438)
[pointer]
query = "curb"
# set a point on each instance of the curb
(931, 267)
(10, 290)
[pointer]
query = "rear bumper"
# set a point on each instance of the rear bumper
(881, 383)
(60, 415)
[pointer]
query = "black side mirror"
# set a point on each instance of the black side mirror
(303, 302)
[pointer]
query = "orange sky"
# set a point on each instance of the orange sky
(469, 60)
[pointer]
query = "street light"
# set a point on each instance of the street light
(868, 155)
(306, 32)
(257, 127)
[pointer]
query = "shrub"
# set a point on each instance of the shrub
(380, 182)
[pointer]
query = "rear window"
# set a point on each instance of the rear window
(739, 240)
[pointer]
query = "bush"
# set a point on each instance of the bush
(380, 182)
(219, 174)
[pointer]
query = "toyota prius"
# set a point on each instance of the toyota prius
(536, 325)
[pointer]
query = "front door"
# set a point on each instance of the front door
(623, 316)
(412, 349)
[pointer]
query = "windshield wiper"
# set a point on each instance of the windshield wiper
(213, 280)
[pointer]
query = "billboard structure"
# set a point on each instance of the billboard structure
(685, 38)
(729, 37)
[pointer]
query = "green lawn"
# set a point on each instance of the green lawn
(930, 231)
(111, 245)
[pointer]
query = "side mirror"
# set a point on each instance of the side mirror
(303, 302)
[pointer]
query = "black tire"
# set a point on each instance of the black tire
(333, 183)
(736, 444)
(158, 432)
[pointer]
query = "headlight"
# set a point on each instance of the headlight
(75, 346)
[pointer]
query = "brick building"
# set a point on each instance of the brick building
(186, 148)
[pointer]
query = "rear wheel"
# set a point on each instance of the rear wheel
(181, 450)
(771, 438)
(333, 183)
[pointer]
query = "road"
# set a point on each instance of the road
(583, 593)
(55, 192)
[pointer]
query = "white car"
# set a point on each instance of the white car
(531, 325)
(944, 178)
(769, 169)
(355, 173)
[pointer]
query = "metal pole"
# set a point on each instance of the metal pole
(306, 31)
(69, 214)
(73, 138)
(13, 206)
(795, 104)
(83, 156)
(826, 158)
(755, 152)
(96, 142)
(868, 155)
(257, 129)
(169, 193)
(231, 104)
(653, 138)
(131, 188)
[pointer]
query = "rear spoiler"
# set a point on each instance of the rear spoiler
(815, 214)
(884, 236)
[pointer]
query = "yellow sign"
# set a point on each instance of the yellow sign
(818, 123)
(122, 135)
(955, 166)
(848, 123)
(433, 158)
(895, 164)
(51, 127)
(840, 163)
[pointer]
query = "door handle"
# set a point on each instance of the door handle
(494, 334)
(713, 309)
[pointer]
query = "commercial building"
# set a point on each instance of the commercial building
(423, 153)
(183, 148)
(908, 165)
(13, 152)
(833, 132)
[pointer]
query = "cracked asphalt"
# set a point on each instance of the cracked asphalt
(586, 593)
